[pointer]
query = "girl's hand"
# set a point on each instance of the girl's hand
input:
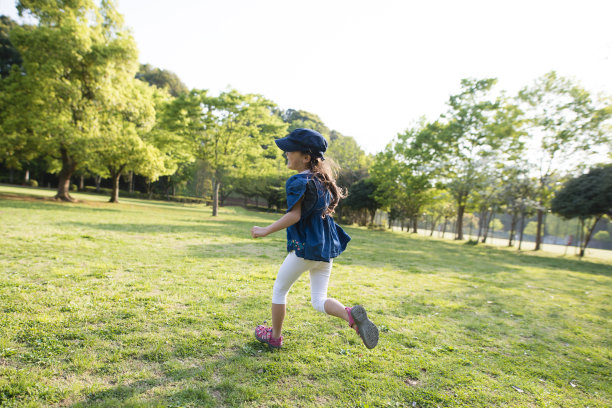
(257, 232)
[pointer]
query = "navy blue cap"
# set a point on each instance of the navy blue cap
(303, 140)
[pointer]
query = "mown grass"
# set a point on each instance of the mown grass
(152, 304)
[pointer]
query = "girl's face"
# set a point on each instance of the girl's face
(297, 160)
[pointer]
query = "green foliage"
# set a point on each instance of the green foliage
(361, 198)
(405, 171)
(588, 195)
(9, 55)
(531, 228)
(302, 119)
(78, 63)
(602, 236)
(162, 79)
(497, 225)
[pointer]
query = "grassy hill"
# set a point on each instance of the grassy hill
(146, 304)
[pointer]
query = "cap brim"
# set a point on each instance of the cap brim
(286, 145)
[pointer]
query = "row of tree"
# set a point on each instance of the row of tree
(74, 97)
(490, 153)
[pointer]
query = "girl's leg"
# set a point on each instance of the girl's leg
(289, 272)
(319, 280)
(278, 316)
(335, 308)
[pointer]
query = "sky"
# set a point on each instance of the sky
(370, 69)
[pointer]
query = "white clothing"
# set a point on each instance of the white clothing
(292, 268)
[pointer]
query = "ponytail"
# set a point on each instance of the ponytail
(326, 173)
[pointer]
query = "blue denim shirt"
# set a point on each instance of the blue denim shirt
(313, 237)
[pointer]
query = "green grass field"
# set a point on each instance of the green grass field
(150, 304)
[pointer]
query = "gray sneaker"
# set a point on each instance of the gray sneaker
(365, 328)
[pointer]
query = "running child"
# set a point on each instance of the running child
(313, 238)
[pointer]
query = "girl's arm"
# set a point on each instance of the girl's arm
(283, 222)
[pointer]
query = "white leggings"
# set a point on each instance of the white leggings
(292, 268)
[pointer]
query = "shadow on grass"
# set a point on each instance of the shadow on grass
(409, 253)
(206, 387)
(45, 203)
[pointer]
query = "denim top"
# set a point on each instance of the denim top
(313, 237)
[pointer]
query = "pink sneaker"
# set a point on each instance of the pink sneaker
(358, 320)
(264, 334)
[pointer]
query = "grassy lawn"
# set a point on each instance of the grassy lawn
(146, 304)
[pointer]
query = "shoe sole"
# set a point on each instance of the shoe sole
(367, 330)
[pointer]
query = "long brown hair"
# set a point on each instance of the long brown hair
(326, 171)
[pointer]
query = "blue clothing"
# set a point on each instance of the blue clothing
(313, 237)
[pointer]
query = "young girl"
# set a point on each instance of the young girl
(313, 238)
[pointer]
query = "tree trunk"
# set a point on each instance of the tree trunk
(115, 175)
(98, 181)
(216, 186)
(539, 232)
(444, 229)
(522, 229)
(491, 217)
(434, 223)
(82, 183)
(415, 221)
(26, 178)
(486, 226)
(480, 221)
(460, 213)
(131, 181)
(11, 176)
(68, 167)
(512, 227)
(588, 236)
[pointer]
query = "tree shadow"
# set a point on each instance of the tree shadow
(211, 389)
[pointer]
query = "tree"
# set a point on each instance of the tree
(231, 132)
(404, 171)
(361, 198)
(586, 196)
(440, 207)
(302, 119)
(566, 125)
(469, 141)
(123, 144)
(9, 55)
(16, 148)
(74, 61)
(162, 79)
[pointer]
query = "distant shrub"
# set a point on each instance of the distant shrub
(73, 187)
(602, 236)
(32, 183)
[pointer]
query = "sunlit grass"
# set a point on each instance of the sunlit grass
(154, 304)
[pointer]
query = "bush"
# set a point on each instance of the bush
(602, 236)
(32, 183)
(73, 187)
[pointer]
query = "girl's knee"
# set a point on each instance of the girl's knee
(319, 304)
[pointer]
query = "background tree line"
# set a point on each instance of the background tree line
(75, 102)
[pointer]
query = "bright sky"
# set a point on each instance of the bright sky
(370, 69)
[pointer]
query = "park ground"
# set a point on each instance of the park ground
(153, 304)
